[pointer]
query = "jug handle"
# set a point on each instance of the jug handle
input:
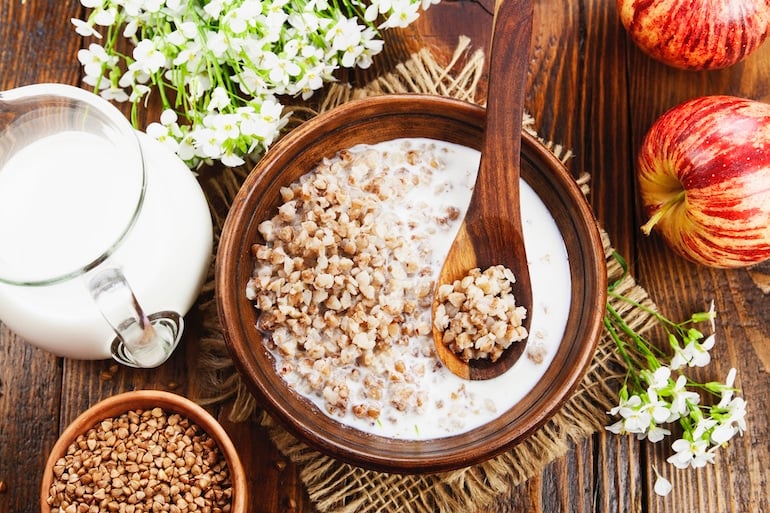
(142, 341)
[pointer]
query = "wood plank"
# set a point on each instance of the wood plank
(30, 383)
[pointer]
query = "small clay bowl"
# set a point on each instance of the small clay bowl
(375, 120)
(147, 400)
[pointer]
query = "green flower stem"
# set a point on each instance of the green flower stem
(621, 345)
(641, 344)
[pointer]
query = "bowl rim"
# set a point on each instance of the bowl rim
(417, 458)
(144, 399)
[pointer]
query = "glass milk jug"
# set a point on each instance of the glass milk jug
(105, 235)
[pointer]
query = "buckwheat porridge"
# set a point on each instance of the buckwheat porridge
(344, 282)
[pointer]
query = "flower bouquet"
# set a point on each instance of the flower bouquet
(222, 67)
(658, 394)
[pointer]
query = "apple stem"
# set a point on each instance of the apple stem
(662, 211)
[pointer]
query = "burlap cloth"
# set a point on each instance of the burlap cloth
(341, 488)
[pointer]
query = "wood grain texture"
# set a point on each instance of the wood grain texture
(588, 88)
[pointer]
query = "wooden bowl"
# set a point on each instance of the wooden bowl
(147, 400)
(380, 119)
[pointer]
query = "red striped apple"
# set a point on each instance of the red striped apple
(704, 178)
(696, 34)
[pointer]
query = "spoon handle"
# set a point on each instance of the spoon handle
(499, 171)
(508, 64)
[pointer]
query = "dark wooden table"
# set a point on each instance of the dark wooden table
(589, 89)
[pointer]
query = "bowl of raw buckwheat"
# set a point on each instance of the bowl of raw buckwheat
(145, 450)
(326, 271)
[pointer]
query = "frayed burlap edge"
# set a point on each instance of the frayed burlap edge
(335, 487)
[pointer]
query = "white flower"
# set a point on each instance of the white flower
(105, 17)
(214, 8)
(636, 418)
(114, 93)
(237, 20)
(694, 354)
(625, 405)
(274, 24)
(250, 82)
(690, 453)
(283, 71)
(85, 29)
(658, 379)
(225, 126)
(168, 117)
(95, 59)
(655, 399)
(681, 399)
(134, 75)
(138, 91)
(344, 34)
(734, 421)
(231, 159)
(197, 85)
(727, 393)
(351, 55)
(130, 29)
(176, 38)
(148, 57)
(216, 43)
(162, 134)
(133, 7)
(186, 149)
(270, 110)
(737, 409)
(252, 124)
(617, 428)
(190, 57)
(654, 434)
(304, 22)
(694, 454)
(722, 433)
(152, 6)
(98, 82)
(657, 408)
(376, 8)
(404, 12)
(702, 427)
(175, 7)
(208, 144)
(219, 99)
(189, 30)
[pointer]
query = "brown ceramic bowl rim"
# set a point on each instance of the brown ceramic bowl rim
(349, 444)
(144, 399)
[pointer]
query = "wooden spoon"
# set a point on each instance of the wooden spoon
(491, 233)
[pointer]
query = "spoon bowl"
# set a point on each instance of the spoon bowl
(491, 233)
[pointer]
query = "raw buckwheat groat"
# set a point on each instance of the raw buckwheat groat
(477, 315)
(343, 294)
